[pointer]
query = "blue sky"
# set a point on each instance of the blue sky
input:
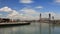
(44, 6)
(48, 5)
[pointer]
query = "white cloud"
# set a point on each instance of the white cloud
(57, 1)
(12, 13)
(29, 11)
(27, 14)
(39, 7)
(6, 9)
(15, 15)
(26, 1)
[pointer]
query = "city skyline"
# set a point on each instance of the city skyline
(29, 9)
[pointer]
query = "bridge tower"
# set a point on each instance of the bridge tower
(40, 25)
(40, 17)
(49, 16)
(49, 23)
(52, 17)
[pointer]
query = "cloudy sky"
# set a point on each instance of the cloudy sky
(29, 9)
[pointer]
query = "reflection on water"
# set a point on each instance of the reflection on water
(33, 28)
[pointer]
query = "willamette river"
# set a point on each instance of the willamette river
(33, 28)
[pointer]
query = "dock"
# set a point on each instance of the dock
(15, 23)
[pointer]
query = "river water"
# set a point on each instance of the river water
(33, 28)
